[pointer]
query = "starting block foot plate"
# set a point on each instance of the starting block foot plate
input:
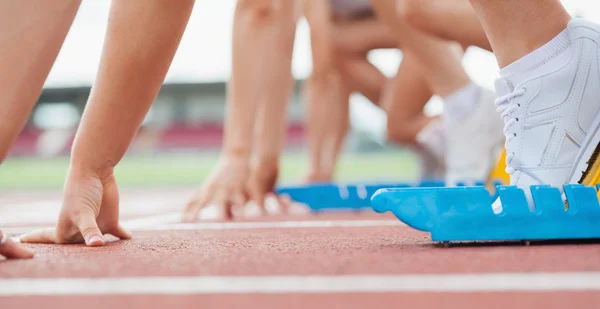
(332, 196)
(465, 213)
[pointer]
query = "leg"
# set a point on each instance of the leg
(351, 41)
(407, 93)
(39, 28)
(136, 56)
(549, 63)
(532, 24)
(444, 74)
(450, 20)
(339, 67)
(467, 106)
(403, 100)
(360, 75)
(403, 96)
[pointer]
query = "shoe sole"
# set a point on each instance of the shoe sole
(586, 160)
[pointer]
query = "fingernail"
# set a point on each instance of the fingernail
(95, 240)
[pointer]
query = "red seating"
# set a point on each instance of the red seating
(26, 142)
(178, 136)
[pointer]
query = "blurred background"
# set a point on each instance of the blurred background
(181, 136)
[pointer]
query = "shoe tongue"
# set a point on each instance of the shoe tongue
(503, 86)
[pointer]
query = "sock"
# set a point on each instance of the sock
(551, 56)
(460, 103)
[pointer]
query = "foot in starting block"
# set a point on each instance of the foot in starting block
(333, 196)
(465, 214)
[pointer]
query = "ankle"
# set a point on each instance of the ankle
(518, 47)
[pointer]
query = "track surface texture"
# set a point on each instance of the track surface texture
(325, 260)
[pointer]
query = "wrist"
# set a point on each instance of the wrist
(266, 161)
(83, 169)
(319, 175)
(264, 170)
(86, 165)
(236, 152)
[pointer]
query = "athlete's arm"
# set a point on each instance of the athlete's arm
(141, 40)
(31, 35)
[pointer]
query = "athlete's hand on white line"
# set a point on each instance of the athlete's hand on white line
(90, 209)
(11, 250)
(261, 188)
(225, 188)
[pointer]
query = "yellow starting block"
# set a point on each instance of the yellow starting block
(591, 177)
(498, 174)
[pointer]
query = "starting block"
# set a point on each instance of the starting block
(332, 196)
(335, 196)
(465, 214)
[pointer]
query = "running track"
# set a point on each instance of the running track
(339, 260)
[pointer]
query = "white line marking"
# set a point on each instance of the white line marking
(499, 282)
(272, 225)
(239, 225)
(147, 222)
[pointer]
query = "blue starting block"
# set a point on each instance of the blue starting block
(335, 196)
(332, 196)
(465, 214)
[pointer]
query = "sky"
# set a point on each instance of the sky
(204, 54)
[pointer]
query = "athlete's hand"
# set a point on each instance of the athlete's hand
(318, 177)
(90, 209)
(261, 188)
(224, 188)
(11, 250)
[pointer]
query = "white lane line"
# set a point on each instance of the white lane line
(458, 283)
(243, 225)
(272, 225)
(46, 212)
(150, 221)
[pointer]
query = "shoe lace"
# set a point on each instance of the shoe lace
(507, 107)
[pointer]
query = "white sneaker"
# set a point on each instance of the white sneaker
(431, 166)
(432, 143)
(474, 143)
(551, 115)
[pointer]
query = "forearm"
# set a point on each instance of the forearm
(136, 56)
(277, 85)
(318, 17)
(251, 39)
(31, 35)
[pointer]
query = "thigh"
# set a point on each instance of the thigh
(453, 20)
(361, 35)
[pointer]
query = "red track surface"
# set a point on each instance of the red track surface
(274, 250)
